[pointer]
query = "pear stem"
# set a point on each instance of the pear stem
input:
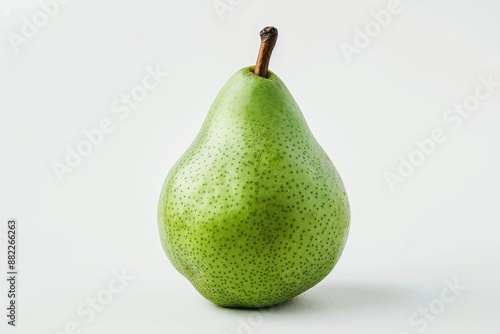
(268, 37)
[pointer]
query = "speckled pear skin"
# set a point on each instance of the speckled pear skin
(254, 213)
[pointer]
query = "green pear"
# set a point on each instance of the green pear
(254, 213)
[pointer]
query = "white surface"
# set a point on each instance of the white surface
(440, 224)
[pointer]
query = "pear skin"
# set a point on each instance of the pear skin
(254, 213)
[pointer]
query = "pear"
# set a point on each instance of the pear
(254, 213)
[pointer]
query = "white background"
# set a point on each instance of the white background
(440, 225)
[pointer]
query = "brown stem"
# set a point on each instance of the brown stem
(268, 37)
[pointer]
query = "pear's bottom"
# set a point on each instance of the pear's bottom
(246, 294)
